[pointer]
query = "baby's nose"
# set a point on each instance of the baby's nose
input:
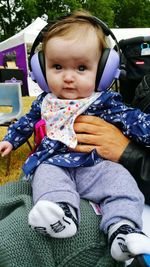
(68, 76)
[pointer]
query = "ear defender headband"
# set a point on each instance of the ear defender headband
(108, 67)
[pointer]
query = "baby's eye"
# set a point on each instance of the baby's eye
(82, 68)
(57, 66)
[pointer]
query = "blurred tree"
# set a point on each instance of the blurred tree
(56, 8)
(6, 14)
(132, 13)
(17, 14)
(102, 9)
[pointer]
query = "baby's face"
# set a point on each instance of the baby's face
(71, 66)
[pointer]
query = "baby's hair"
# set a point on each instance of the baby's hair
(79, 23)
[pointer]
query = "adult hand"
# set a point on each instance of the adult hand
(95, 133)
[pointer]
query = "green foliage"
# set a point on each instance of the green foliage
(101, 9)
(17, 14)
(132, 13)
(56, 8)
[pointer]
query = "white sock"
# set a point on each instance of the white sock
(128, 241)
(58, 221)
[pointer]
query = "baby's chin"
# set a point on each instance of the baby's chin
(69, 96)
(72, 96)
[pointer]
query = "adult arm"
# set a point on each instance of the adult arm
(136, 159)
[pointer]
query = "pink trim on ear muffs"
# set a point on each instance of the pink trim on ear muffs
(110, 71)
(37, 73)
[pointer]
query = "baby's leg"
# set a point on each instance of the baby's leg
(111, 185)
(55, 202)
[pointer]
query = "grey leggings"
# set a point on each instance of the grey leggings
(107, 183)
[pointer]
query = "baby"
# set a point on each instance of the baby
(73, 49)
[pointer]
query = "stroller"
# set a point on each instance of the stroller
(135, 63)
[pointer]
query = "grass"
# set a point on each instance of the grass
(17, 156)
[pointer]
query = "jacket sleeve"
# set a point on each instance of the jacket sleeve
(19, 132)
(136, 158)
(131, 121)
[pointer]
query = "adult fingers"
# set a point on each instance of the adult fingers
(88, 139)
(90, 120)
(84, 148)
(87, 128)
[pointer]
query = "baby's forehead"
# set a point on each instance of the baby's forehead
(72, 49)
(78, 42)
(81, 33)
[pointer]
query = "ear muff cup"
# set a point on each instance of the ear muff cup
(38, 70)
(108, 69)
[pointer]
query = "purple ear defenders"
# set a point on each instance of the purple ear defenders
(108, 67)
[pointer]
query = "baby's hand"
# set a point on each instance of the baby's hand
(5, 148)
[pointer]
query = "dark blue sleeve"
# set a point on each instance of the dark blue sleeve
(132, 122)
(19, 132)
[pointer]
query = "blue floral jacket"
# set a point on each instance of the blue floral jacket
(132, 122)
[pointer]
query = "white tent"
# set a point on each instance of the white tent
(26, 36)
(125, 33)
